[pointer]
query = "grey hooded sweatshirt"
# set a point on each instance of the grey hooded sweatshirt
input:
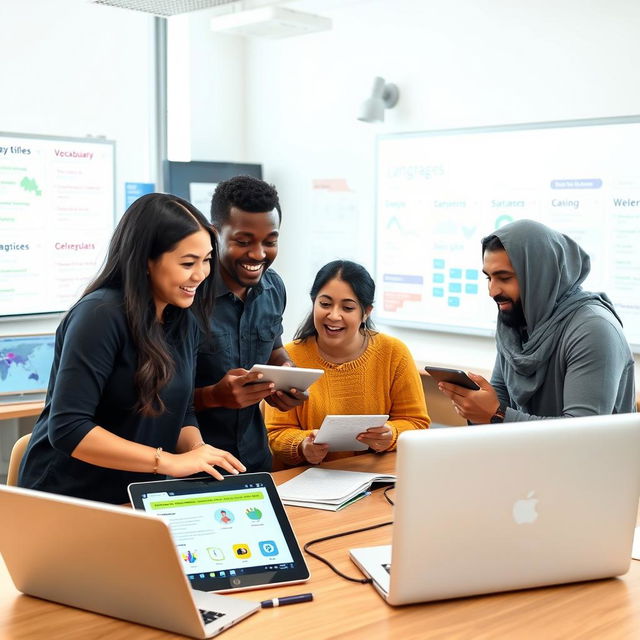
(573, 359)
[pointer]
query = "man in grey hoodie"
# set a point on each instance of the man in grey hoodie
(560, 349)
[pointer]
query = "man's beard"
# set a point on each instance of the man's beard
(513, 318)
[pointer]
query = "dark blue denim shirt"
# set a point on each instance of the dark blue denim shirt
(243, 333)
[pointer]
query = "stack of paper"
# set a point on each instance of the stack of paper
(330, 489)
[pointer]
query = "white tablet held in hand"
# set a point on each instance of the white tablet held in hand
(286, 378)
(340, 432)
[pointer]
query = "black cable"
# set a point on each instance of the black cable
(348, 533)
(339, 535)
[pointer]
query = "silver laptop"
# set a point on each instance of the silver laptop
(512, 506)
(107, 559)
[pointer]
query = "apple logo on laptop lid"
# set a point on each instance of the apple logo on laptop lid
(524, 510)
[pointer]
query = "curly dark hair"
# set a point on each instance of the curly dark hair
(246, 193)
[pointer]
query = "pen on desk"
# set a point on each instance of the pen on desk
(279, 602)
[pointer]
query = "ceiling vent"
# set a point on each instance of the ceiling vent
(270, 22)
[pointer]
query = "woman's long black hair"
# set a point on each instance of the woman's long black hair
(151, 226)
(356, 276)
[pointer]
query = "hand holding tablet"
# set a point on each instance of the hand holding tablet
(453, 376)
(287, 378)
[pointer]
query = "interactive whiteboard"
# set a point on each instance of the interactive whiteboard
(439, 193)
(56, 219)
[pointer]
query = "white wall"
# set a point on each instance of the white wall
(206, 78)
(71, 68)
(458, 63)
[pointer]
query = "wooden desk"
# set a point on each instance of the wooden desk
(20, 410)
(349, 611)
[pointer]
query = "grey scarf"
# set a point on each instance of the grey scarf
(550, 268)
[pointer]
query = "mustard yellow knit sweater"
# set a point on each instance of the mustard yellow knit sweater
(383, 380)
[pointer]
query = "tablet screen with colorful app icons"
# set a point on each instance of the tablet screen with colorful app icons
(230, 534)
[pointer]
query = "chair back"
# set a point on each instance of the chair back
(16, 457)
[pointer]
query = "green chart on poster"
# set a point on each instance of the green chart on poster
(56, 219)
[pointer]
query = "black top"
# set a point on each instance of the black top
(92, 383)
(242, 334)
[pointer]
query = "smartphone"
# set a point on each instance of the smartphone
(454, 376)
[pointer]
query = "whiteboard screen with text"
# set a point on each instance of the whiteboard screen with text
(439, 193)
(56, 219)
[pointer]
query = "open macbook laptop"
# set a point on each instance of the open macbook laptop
(107, 559)
(231, 534)
(512, 506)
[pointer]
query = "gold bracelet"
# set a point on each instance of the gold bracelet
(198, 444)
(157, 459)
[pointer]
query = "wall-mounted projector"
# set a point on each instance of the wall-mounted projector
(270, 22)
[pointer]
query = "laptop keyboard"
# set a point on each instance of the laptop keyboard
(210, 616)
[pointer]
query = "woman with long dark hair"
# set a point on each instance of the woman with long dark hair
(365, 372)
(119, 403)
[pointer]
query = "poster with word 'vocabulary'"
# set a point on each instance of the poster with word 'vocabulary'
(56, 219)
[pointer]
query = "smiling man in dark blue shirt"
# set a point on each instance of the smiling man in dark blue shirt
(246, 327)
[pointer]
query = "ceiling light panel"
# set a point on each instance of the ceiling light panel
(165, 7)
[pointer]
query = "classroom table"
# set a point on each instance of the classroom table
(603, 609)
(20, 409)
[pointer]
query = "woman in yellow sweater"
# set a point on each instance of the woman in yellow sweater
(365, 372)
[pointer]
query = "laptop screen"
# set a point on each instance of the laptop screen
(25, 366)
(232, 534)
